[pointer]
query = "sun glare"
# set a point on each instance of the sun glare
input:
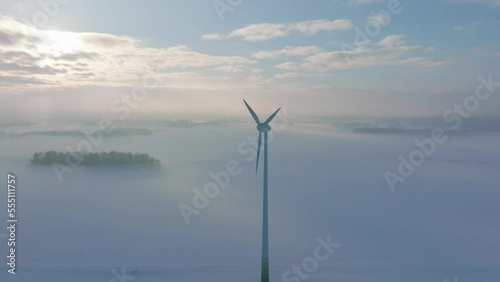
(61, 42)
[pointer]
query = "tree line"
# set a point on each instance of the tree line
(93, 159)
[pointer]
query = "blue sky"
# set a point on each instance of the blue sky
(291, 49)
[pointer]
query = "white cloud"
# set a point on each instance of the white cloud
(255, 78)
(256, 71)
(287, 51)
(267, 31)
(426, 62)
(261, 32)
(211, 36)
(179, 75)
(391, 50)
(288, 75)
(68, 59)
(392, 41)
(289, 66)
(229, 68)
(313, 27)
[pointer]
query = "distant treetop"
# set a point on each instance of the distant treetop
(94, 159)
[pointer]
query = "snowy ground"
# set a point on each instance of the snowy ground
(216, 274)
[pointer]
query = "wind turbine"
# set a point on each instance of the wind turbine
(263, 127)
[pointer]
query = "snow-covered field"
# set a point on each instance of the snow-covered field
(441, 223)
(245, 274)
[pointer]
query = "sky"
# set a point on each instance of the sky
(335, 57)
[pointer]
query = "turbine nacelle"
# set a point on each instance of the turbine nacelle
(264, 127)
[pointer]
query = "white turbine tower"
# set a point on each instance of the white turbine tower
(263, 127)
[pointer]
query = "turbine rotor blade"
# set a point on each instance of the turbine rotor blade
(258, 152)
(254, 115)
(269, 119)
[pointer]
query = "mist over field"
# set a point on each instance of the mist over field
(232, 140)
(325, 181)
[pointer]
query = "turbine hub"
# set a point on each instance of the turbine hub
(263, 127)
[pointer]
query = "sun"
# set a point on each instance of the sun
(60, 42)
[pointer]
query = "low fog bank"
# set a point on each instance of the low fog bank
(322, 182)
(226, 99)
(146, 124)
